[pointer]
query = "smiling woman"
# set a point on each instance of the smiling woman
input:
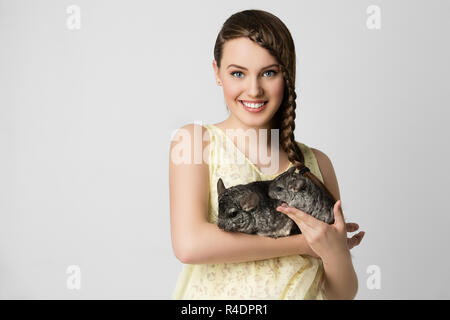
(254, 62)
(252, 77)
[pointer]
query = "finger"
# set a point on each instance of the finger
(360, 236)
(353, 242)
(306, 230)
(303, 216)
(296, 215)
(351, 226)
(350, 243)
(302, 224)
(338, 215)
(356, 239)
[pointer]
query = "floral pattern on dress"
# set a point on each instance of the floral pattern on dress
(295, 277)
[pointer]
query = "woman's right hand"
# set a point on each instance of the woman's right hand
(356, 239)
(351, 242)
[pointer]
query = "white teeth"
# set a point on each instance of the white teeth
(253, 105)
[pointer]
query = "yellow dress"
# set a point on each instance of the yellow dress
(295, 277)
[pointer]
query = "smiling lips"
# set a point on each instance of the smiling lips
(253, 101)
(253, 106)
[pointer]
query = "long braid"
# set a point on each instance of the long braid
(270, 33)
(287, 123)
(287, 126)
(286, 114)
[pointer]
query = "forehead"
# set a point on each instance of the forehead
(246, 53)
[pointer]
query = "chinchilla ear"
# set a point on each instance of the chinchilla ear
(296, 185)
(250, 202)
(220, 186)
(292, 170)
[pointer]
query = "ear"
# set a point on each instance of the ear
(292, 170)
(296, 185)
(220, 186)
(216, 70)
(250, 202)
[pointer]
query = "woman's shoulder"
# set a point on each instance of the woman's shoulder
(322, 159)
(188, 137)
(310, 151)
(191, 128)
(327, 171)
(192, 132)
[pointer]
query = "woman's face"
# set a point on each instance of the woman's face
(249, 73)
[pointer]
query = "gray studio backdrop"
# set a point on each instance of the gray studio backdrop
(91, 92)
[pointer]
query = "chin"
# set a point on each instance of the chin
(256, 121)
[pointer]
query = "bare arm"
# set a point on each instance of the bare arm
(341, 279)
(213, 245)
(194, 239)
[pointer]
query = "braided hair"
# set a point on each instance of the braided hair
(271, 33)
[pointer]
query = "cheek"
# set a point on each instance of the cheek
(277, 89)
(231, 90)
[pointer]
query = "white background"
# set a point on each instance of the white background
(86, 118)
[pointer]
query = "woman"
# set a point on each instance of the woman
(255, 63)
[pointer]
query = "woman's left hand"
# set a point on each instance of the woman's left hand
(325, 239)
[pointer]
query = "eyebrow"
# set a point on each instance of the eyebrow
(235, 65)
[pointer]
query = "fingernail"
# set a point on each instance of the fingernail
(284, 205)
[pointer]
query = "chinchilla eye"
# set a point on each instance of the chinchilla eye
(232, 214)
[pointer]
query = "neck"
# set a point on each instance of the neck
(263, 136)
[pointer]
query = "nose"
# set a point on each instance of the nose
(255, 89)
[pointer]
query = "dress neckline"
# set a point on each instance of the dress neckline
(245, 157)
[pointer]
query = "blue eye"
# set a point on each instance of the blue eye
(235, 72)
(273, 71)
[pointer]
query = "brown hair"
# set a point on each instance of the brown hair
(271, 33)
